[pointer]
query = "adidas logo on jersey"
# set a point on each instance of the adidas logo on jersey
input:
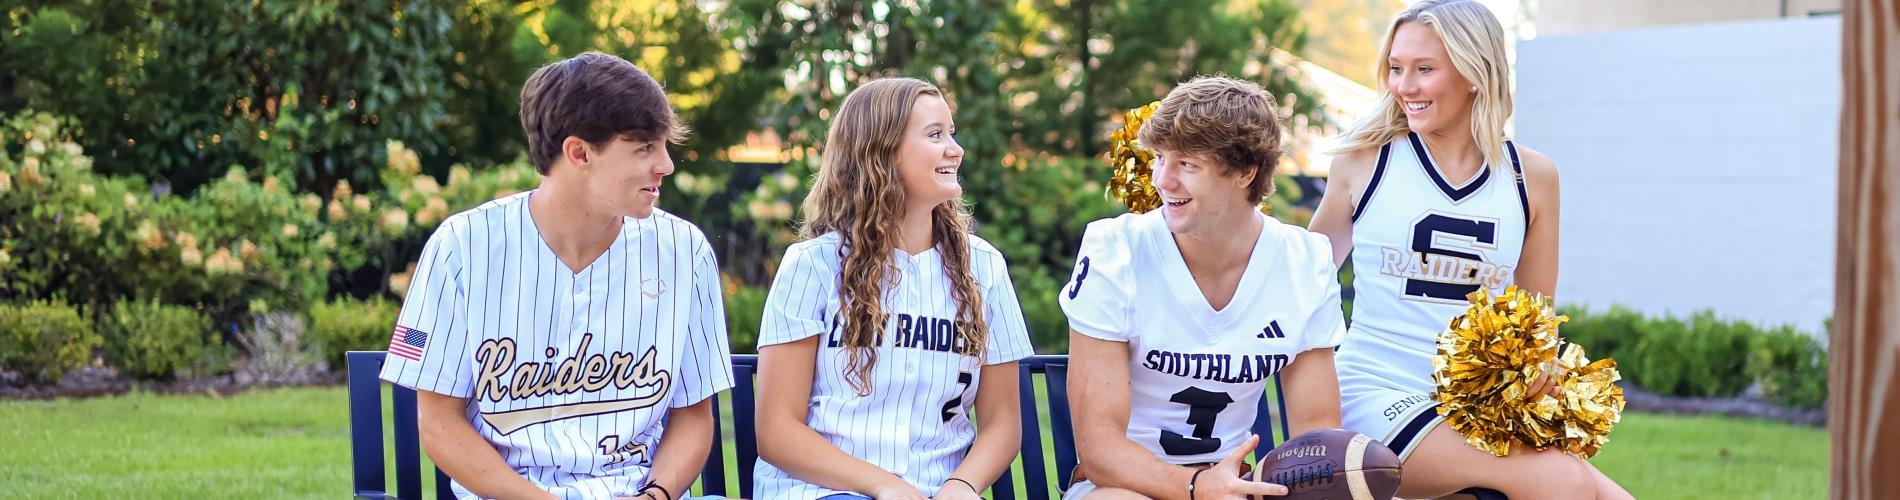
(1272, 331)
(531, 379)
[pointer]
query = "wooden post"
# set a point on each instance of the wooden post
(1864, 381)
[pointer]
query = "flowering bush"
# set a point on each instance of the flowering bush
(243, 245)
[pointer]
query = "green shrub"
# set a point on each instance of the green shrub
(1346, 293)
(1611, 334)
(43, 340)
(148, 340)
(1036, 290)
(1702, 356)
(351, 325)
(745, 307)
(1791, 367)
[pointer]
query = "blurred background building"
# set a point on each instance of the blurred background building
(1698, 143)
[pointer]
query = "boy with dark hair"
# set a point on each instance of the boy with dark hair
(565, 342)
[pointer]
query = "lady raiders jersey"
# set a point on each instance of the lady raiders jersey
(915, 423)
(1196, 374)
(568, 375)
(1421, 244)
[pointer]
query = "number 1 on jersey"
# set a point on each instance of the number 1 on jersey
(618, 453)
(1204, 407)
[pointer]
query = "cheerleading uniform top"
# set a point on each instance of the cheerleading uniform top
(1420, 245)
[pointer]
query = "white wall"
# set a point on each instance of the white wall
(1698, 162)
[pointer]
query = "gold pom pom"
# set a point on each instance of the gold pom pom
(1489, 357)
(1133, 163)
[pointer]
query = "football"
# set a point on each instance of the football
(1331, 464)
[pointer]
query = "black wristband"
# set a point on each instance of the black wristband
(967, 483)
(1191, 480)
(663, 491)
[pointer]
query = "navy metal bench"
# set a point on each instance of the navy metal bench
(1039, 482)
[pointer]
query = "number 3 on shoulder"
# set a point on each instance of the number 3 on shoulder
(1081, 273)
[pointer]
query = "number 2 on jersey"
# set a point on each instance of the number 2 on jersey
(956, 403)
(1204, 407)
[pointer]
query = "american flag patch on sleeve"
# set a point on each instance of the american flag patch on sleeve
(408, 343)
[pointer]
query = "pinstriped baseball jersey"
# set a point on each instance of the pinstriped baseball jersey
(569, 375)
(916, 421)
(1196, 374)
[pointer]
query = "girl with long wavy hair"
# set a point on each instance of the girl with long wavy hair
(1432, 201)
(890, 327)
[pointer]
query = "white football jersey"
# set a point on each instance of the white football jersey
(915, 423)
(1420, 244)
(1197, 374)
(569, 375)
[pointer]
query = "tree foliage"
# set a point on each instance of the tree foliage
(182, 90)
(232, 121)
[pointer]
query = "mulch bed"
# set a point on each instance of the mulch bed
(93, 382)
(1747, 406)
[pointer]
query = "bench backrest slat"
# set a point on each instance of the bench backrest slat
(1039, 483)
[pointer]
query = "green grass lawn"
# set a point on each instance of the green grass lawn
(294, 443)
(1666, 456)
